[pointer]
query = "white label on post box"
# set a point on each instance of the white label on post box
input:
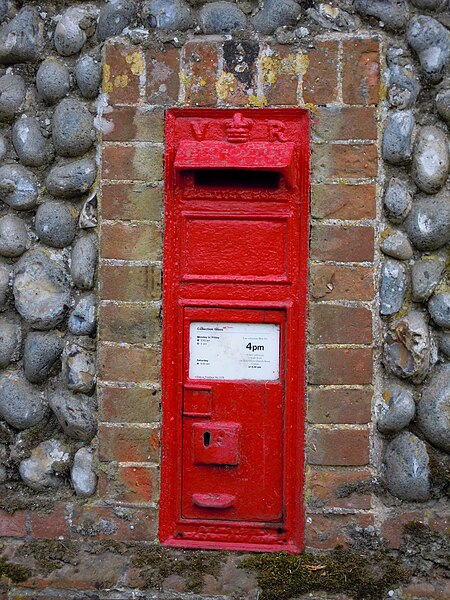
(234, 351)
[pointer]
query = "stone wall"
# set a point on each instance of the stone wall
(79, 431)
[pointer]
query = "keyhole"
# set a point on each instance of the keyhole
(207, 438)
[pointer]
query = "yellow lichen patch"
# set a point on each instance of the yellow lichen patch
(136, 63)
(301, 63)
(121, 81)
(312, 107)
(225, 85)
(270, 68)
(387, 396)
(107, 85)
(258, 101)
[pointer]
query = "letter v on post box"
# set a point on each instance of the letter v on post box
(235, 285)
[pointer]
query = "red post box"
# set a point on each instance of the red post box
(235, 279)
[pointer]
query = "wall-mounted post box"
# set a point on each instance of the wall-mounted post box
(235, 276)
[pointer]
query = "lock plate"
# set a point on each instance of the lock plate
(215, 443)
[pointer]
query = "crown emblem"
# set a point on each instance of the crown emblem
(238, 129)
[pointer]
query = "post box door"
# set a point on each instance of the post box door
(233, 396)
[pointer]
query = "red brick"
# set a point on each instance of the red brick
(131, 323)
(141, 162)
(128, 363)
(280, 75)
(342, 283)
(435, 590)
(326, 487)
(51, 526)
(340, 366)
(361, 72)
(238, 77)
(131, 123)
(12, 524)
(341, 201)
(122, 282)
(136, 524)
(129, 405)
(337, 447)
(132, 202)
(344, 123)
(342, 243)
(334, 324)
(342, 160)
(339, 405)
(320, 82)
(130, 485)
(128, 444)
(201, 68)
(130, 241)
(163, 81)
(392, 528)
(325, 532)
(122, 69)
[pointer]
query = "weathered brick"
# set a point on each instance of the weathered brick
(142, 162)
(280, 74)
(341, 160)
(130, 485)
(320, 81)
(122, 282)
(333, 324)
(327, 488)
(128, 363)
(12, 524)
(340, 201)
(136, 123)
(341, 282)
(201, 72)
(339, 405)
(325, 532)
(392, 528)
(122, 69)
(130, 241)
(361, 72)
(51, 526)
(134, 524)
(128, 444)
(344, 123)
(163, 80)
(342, 243)
(131, 323)
(132, 202)
(237, 80)
(340, 366)
(337, 447)
(129, 405)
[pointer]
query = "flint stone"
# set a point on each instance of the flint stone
(41, 290)
(31, 146)
(55, 224)
(88, 213)
(52, 80)
(88, 73)
(72, 179)
(22, 405)
(3, 474)
(71, 30)
(79, 369)
(39, 471)
(404, 86)
(439, 309)
(73, 128)
(392, 12)
(431, 159)
(408, 350)
(407, 468)
(444, 342)
(425, 275)
(41, 353)
(430, 40)
(433, 410)
(428, 223)
(221, 17)
(75, 413)
(430, 4)
(168, 15)
(276, 13)
(18, 187)
(331, 17)
(13, 90)
(4, 285)
(82, 474)
(397, 200)
(114, 17)
(13, 236)
(10, 341)
(84, 262)
(398, 410)
(443, 104)
(393, 287)
(22, 39)
(83, 320)
(397, 137)
(397, 245)
(3, 147)
(4, 7)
